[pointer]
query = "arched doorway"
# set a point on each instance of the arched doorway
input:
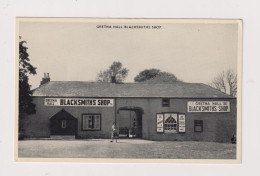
(63, 123)
(129, 122)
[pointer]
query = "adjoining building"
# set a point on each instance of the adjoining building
(178, 111)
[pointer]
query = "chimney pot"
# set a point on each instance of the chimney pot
(45, 79)
(113, 79)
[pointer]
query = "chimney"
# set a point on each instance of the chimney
(45, 79)
(113, 79)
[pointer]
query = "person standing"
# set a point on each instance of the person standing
(114, 133)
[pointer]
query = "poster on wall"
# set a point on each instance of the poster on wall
(159, 123)
(181, 123)
(208, 106)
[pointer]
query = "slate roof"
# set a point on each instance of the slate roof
(98, 89)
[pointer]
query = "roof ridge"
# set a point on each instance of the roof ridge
(128, 82)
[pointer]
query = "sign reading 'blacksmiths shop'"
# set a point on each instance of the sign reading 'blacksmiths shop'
(79, 102)
(208, 106)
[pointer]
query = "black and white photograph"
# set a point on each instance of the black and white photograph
(130, 90)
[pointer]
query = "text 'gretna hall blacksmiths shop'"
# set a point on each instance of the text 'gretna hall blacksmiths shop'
(177, 111)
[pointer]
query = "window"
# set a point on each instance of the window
(91, 122)
(165, 102)
(198, 125)
(170, 123)
(63, 124)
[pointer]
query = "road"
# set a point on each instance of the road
(125, 148)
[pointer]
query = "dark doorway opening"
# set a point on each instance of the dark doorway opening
(129, 122)
(63, 123)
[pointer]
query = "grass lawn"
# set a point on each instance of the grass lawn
(125, 148)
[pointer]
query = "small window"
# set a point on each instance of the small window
(63, 124)
(198, 125)
(91, 122)
(165, 102)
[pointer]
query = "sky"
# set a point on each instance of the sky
(77, 51)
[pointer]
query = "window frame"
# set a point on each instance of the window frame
(166, 99)
(201, 124)
(90, 114)
(177, 124)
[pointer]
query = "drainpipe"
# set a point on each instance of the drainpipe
(115, 113)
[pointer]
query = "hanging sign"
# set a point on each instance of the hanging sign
(208, 106)
(159, 123)
(181, 123)
(79, 102)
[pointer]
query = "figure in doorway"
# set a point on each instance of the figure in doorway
(114, 134)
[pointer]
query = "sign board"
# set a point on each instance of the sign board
(208, 106)
(181, 123)
(90, 102)
(159, 123)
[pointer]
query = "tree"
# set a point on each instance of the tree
(163, 77)
(155, 76)
(232, 82)
(25, 93)
(146, 75)
(116, 70)
(226, 82)
(219, 82)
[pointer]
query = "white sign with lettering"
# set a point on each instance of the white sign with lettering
(181, 123)
(159, 123)
(100, 102)
(208, 106)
